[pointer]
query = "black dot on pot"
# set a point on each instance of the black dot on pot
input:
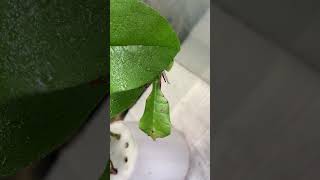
(126, 145)
(126, 159)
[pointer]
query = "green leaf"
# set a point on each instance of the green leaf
(156, 118)
(121, 100)
(52, 55)
(135, 66)
(142, 45)
(106, 173)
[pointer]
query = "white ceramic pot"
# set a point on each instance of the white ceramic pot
(137, 157)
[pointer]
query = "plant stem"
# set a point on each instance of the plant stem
(112, 169)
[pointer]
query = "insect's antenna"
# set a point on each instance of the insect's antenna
(165, 78)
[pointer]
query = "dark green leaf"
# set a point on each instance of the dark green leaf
(106, 173)
(52, 55)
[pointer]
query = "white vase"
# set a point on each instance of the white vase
(137, 157)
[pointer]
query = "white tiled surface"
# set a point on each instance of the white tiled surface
(189, 97)
(195, 51)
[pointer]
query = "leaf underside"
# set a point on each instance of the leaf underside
(121, 100)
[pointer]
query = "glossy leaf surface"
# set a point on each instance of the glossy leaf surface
(50, 53)
(142, 45)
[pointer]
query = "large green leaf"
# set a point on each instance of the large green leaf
(156, 118)
(142, 45)
(33, 126)
(50, 52)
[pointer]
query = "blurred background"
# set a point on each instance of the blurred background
(267, 89)
(84, 157)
